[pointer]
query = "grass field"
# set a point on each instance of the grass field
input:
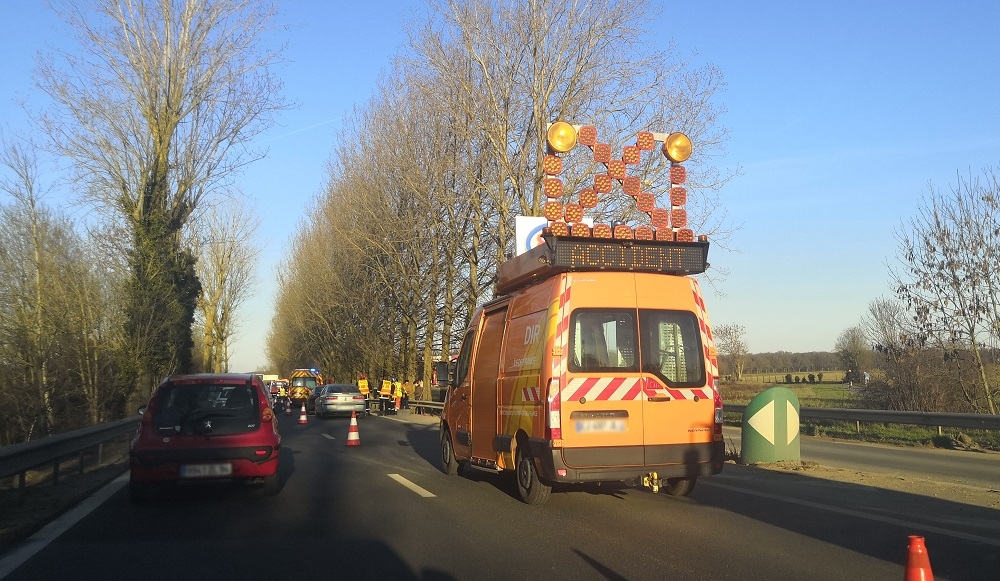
(809, 394)
(828, 377)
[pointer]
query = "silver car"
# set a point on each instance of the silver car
(340, 399)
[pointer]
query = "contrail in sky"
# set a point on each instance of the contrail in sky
(306, 128)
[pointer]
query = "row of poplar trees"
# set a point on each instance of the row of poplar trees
(418, 210)
(145, 116)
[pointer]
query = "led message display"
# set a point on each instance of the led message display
(600, 254)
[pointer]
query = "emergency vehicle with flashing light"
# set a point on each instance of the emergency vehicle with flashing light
(596, 360)
(303, 382)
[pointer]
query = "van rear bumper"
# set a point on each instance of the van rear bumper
(606, 464)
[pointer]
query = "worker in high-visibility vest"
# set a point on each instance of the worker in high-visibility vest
(363, 388)
(384, 394)
(397, 394)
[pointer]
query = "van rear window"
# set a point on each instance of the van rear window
(603, 340)
(664, 343)
(671, 347)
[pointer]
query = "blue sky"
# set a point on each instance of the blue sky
(841, 115)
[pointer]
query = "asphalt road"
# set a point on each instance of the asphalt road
(383, 510)
(968, 468)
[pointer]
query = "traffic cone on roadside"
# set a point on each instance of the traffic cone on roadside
(918, 563)
(288, 408)
(353, 439)
(302, 416)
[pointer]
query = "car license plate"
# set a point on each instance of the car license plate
(206, 470)
(585, 426)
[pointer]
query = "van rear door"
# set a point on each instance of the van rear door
(678, 406)
(602, 415)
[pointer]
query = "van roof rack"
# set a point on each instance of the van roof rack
(582, 254)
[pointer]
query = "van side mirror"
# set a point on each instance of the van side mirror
(442, 372)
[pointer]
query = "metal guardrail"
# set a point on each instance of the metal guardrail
(943, 420)
(427, 405)
(19, 458)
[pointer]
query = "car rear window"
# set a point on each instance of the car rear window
(206, 409)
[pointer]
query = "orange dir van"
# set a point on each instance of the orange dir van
(595, 363)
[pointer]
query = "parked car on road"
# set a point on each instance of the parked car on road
(311, 400)
(203, 428)
(340, 399)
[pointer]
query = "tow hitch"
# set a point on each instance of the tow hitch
(652, 481)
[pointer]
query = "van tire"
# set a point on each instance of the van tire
(529, 487)
(449, 464)
(680, 486)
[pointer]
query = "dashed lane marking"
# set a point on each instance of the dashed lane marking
(329, 437)
(421, 491)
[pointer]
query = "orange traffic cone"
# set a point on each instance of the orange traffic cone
(918, 563)
(288, 408)
(302, 416)
(353, 439)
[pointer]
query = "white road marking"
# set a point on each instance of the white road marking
(859, 514)
(51, 531)
(422, 492)
(329, 437)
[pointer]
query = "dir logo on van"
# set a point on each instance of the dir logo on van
(528, 231)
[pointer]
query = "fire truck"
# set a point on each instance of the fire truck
(595, 362)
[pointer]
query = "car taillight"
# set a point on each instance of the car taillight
(266, 414)
(553, 419)
(359, 398)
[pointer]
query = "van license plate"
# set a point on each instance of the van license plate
(585, 426)
(206, 470)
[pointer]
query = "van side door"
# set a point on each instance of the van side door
(458, 402)
(485, 379)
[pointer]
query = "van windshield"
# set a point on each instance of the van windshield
(664, 343)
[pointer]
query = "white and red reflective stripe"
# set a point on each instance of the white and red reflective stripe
(603, 389)
(559, 364)
(707, 341)
(557, 381)
(531, 394)
(626, 389)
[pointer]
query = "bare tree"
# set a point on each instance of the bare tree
(225, 241)
(910, 375)
(155, 112)
(513, 66)
(854, 352)
(949, 253)
(53, 309)
(468, 106)
(730, 339)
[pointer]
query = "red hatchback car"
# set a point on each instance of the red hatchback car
(205, 427)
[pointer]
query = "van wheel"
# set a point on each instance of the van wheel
(680, 486)
(271, 484)
(529, 487)
(449, 464)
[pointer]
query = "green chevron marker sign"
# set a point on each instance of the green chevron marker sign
(771, 428)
